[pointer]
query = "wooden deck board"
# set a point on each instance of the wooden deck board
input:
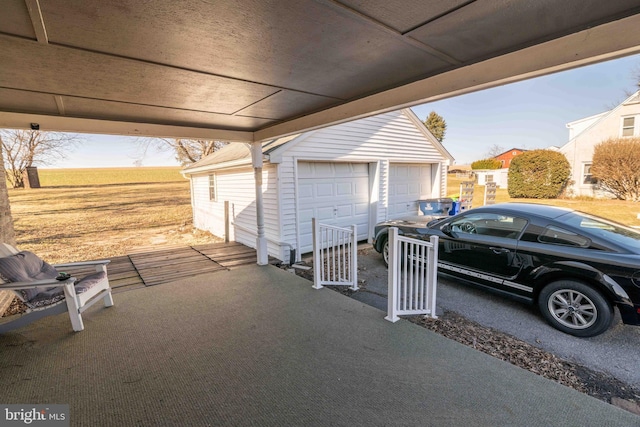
(150, 266)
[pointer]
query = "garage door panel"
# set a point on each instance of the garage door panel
(344, 189)
(344, 211)
(305, 190)
(324, 189)
(362, 209)
(340, 197)
(323, 214)
(408, 183)
(306, 214)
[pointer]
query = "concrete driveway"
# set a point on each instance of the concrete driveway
(615, 352)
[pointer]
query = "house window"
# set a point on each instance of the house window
(213, 196)
(628, 125)
(587, 177)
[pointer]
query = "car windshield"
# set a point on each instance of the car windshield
(608, 230)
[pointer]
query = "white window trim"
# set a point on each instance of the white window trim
(633, 126)
(584, 174)
(213, 185)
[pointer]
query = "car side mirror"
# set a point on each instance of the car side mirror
(447, 230)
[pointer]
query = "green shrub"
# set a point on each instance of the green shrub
(538, 174)
(486, 164)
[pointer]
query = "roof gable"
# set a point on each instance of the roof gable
(598, 118)
(230, 153)
(236, 154)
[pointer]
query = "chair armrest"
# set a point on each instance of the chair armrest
(83, 263)
(35, 283)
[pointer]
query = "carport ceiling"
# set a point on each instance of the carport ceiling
(254, 69)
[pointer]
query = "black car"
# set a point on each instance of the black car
(576, 267)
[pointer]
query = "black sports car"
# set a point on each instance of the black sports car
(576, 267)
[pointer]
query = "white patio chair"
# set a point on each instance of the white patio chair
(34, 282)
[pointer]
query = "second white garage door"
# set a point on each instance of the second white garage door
(335, 194)
(408, 183)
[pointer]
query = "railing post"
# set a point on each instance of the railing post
(433, 280)
(354, 257)
(317, 259)
(392, 298)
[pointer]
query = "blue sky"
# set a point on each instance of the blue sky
(533, 113)
(529, 114)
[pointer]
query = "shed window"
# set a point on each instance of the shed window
(628, 125)
(213, 196)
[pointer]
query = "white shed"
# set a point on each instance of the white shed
(360, 172)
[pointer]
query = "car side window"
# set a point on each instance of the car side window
(559, 236)
(489, 224)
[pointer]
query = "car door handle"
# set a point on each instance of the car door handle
(497, 250)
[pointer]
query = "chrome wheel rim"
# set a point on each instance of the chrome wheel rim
(572, 309)
(385, 252)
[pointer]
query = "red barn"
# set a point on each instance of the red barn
(506, 157)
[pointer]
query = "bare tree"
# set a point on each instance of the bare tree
(26, 148)
(187, 151)
(495, 150)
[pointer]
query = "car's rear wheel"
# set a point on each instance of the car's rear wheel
(575, 308)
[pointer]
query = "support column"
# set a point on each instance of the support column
(261, 240)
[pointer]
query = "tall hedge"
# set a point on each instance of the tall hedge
(538, 174)
(486, 164)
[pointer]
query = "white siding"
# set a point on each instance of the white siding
(238, 187)
(374, 142)
(390, 137)
(579, 151)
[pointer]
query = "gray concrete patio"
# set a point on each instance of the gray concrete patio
(259, 346)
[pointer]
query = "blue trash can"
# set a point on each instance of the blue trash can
(435, 206)
(455, 208)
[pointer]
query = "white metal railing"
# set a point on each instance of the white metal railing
(413, 276)
(335, 255)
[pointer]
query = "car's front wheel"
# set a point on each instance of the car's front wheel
(575, 308)
(385, 251)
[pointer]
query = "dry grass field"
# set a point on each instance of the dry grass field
(82, 214)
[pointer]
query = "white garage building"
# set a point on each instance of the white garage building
(360, 172)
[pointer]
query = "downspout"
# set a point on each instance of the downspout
(261, 241)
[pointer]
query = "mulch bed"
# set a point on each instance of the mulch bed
(522, 354)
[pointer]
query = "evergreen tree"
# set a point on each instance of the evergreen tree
(436, 125)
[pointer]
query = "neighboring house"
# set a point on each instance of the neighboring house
(585, 134)
(506, 157)
(360, 172)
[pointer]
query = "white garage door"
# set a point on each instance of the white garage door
(408, 183)
(335, 194)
